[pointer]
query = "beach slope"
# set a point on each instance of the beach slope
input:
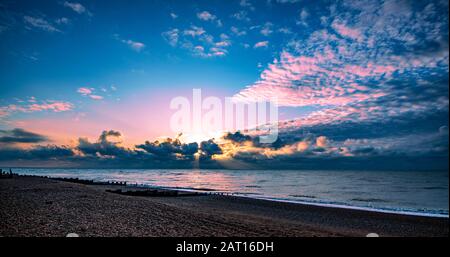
(33, 206)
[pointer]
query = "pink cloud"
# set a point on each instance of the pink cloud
(322, 141)
(346, 31)
(341, 71)
(3, 112)
(96, 97)
(311, 80)
(370, 69)
(84, 90)
(219, 53)
(52, 106)
(261, 44)
(34, 106)
(89, 92)
(142, 125)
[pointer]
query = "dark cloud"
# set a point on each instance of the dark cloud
(169, 148)
(293, 150)
(383, 162)
(49, 152)
(237, 137)
(111, 133)
(364, 151)
(405, 124)
(209, 148)
(19, 135)
(104, 147)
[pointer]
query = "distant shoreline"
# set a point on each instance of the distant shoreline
(223, 168)
(33, 206)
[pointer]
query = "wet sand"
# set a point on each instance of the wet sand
(33, 206)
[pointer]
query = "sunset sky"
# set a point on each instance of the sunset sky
(86, 83)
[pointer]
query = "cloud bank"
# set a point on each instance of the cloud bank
(292, 150)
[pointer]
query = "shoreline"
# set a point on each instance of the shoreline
(45, 207)
(268, 198)
(350, 207)
(325, 205)
(383, 203)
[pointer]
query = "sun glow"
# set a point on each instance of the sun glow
(199, 137)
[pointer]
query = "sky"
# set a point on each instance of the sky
(360, 84)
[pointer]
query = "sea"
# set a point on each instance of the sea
(423, 193)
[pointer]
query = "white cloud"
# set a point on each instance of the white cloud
(224, 36)
(202, 44)
(194, 31)
(288, 1)
(198, 42)
(247, 4)
(77, 7)
(241, 16)
(62, 20)
(285, 30)
(206, 16)
(171, 36)
(135, 45)
(223, 43)
(304, 14)
(237, 31)
(173, 15)
(267, 29)
(212, 52)
(40, 23)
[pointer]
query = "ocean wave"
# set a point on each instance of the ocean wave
(303, 196)
(370, 200)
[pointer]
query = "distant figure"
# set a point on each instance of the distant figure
(5, 174)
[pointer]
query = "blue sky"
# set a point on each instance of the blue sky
(354, 79)
(89, 49)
